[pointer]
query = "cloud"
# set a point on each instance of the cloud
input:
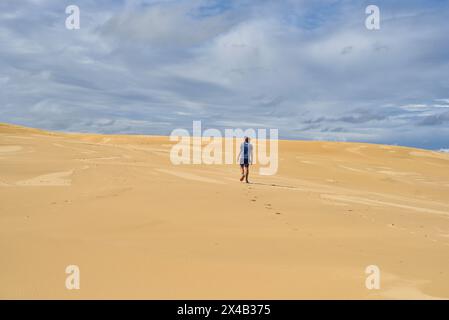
(363, 116)
(435, 119)
(168, 25)
(309, 68)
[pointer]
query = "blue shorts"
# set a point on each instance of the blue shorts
(245, 162)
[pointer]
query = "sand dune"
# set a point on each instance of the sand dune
(140, 227)
(50, 179)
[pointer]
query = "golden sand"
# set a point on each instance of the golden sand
(139, 227)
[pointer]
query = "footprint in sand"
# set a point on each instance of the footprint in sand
(3, 184)
(51, 179)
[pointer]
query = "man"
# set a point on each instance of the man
(245, 158)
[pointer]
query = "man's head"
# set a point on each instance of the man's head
(246, 139)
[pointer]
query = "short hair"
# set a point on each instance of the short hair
(246, 139)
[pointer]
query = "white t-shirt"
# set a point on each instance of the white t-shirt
(246, 152)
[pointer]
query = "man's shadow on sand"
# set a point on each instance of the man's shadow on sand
(272, 185)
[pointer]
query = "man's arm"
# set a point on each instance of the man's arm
(251, 154)
(238, 157)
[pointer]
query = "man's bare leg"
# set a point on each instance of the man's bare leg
(243, 173)
(246, 174)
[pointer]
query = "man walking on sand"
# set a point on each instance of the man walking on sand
(245, 158)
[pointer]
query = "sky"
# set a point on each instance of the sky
(309, 68)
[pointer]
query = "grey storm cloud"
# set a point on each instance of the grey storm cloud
(435, 119)
(363, 117)
(309, 68)
(356, 116)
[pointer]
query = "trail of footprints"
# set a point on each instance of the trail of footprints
(267, 206)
